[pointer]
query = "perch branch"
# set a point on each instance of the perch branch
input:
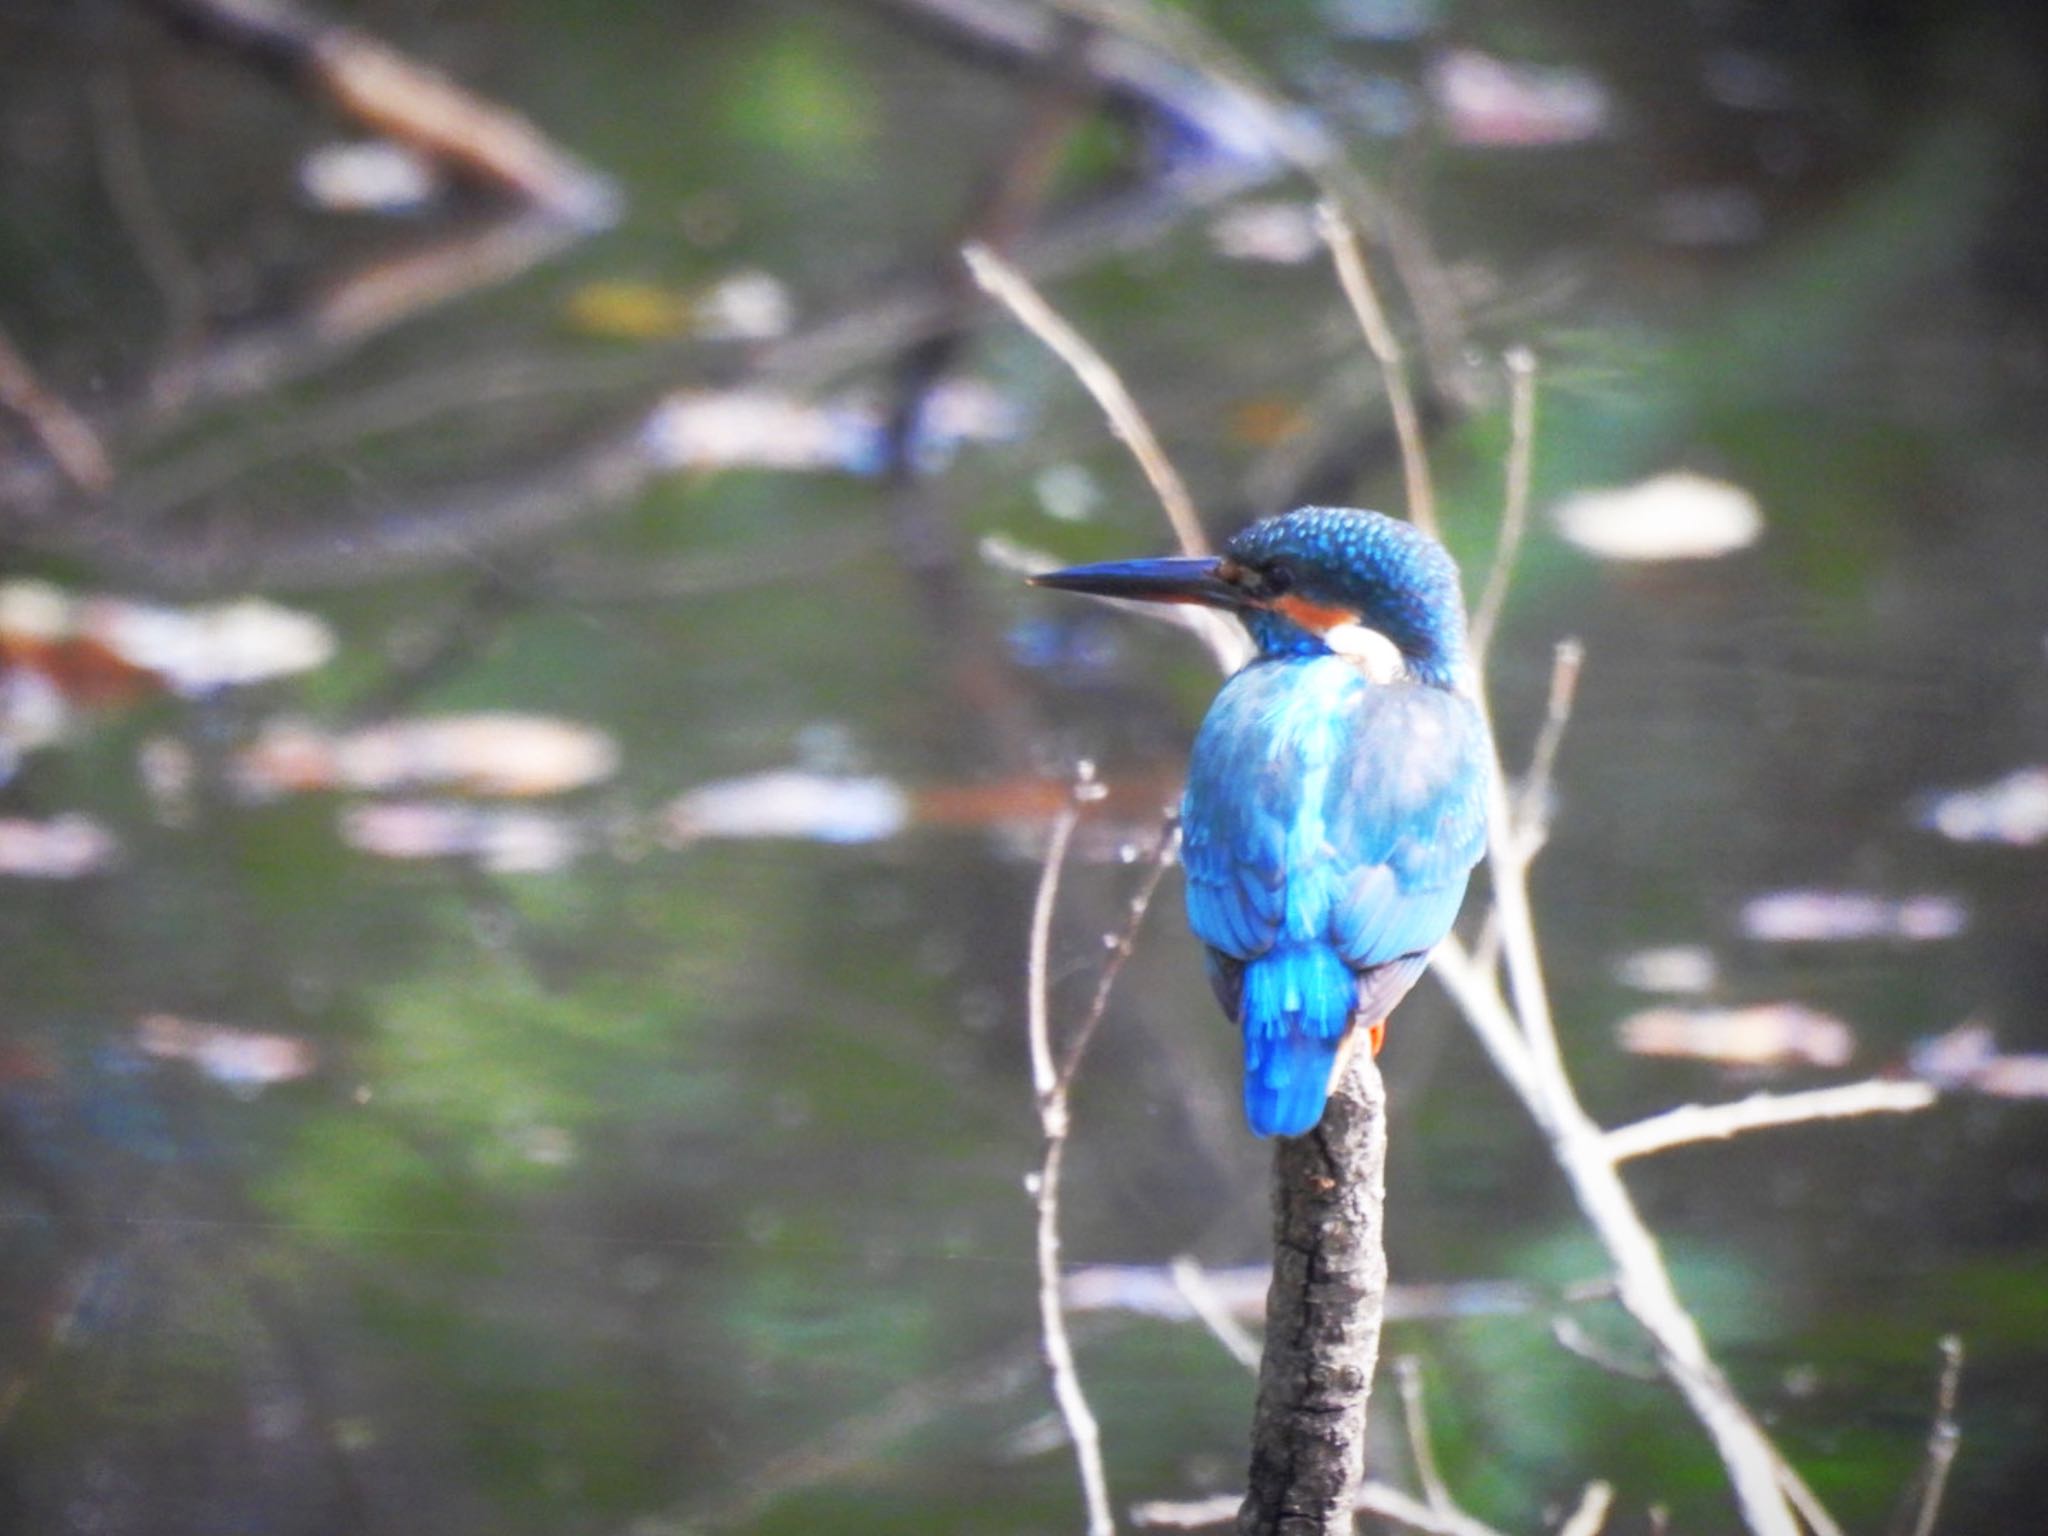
(1323, 1316)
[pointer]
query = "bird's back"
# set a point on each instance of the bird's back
(1329, 827)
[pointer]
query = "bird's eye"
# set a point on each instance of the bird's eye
(1274, 580)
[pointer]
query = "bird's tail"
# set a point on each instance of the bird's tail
(1296, 1003)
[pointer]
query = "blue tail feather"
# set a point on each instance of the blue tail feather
(1296, 1002)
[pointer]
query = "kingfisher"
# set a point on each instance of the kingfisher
(1336, 798)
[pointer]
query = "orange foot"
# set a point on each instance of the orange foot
(1376, 1035)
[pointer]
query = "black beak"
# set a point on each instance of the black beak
(1168, 579)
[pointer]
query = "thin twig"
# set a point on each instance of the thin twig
(1523, 1043)
(1514, 518)
(1210, 1310)
(1045, 1192)
(1381, 1499)
(1043, 1077)
(1944, 1438)
(1415, 1413)
(1248, 101)
(1572, 1337)
(1352, 273)
(1690, 1123)
(1529, 823)
(1014, 290)
(1591, 1515)
(1120, 950)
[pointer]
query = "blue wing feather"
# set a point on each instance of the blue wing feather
(1329, 827)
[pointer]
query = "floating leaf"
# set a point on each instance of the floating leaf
(1679, 516)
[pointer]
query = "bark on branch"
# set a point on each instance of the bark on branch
(1322, 1316)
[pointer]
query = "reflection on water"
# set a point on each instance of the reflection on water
(644, 1153)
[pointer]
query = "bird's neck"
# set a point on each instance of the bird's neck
(1281, 639)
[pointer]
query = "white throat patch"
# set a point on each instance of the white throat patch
(1369, 651)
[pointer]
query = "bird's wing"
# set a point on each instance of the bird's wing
(1270, 739)
(1406, 817)
(1322, 808)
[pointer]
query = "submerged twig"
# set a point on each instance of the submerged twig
(1356, 278)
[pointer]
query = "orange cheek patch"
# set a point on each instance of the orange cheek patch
(1313, 617)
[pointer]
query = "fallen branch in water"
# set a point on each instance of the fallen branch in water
(382, 90)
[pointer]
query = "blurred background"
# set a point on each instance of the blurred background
(525, 752)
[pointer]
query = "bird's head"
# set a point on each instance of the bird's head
(1361, 584)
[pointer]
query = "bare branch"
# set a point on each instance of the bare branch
(1514, 517)
(1380, 1499)
(1944, 1438)
(1529, 823)
(1323, 1315)
(1037, 989)
(1691, 1123)
(1356, 279)
(1120, 950)
(1523, 1043)
(1591, 1515)
(1014, 290)
(1415, 1413)
(1532, 803)
(1050, 1094)
(1201, 1296)
(1573, 1338)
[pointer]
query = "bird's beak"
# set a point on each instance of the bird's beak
(1169, 579)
